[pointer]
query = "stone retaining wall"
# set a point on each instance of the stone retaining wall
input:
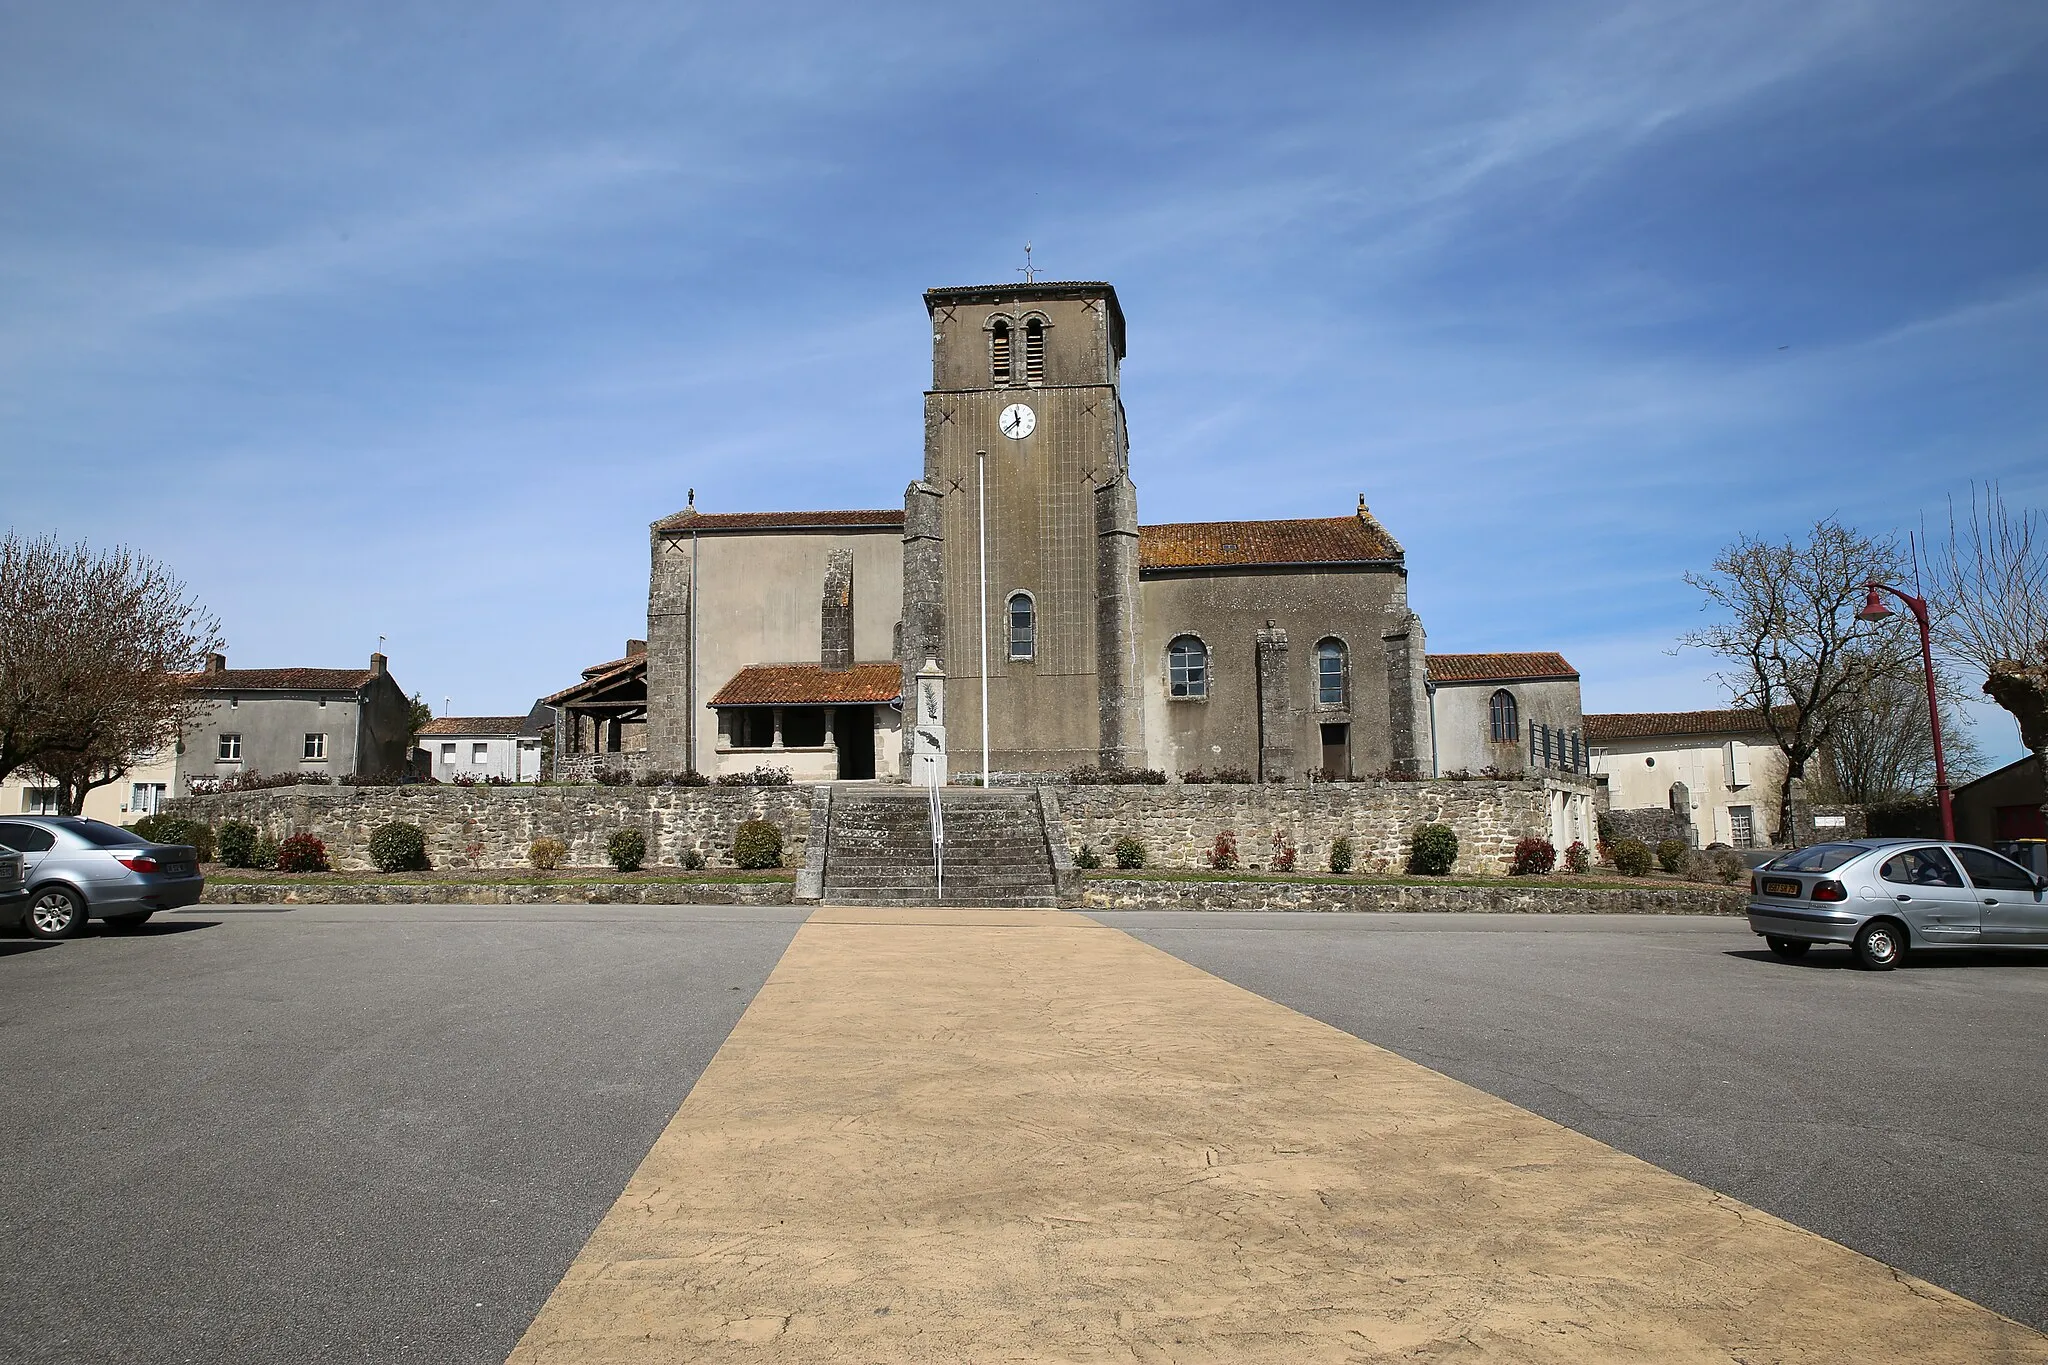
(494, 826)
(1119, 893)
(1178, 824)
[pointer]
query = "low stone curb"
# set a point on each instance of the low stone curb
(1119, 893)
(502, 893)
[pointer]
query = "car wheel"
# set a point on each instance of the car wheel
(1879, 945)
(1788, 947)
(124, 923)
(56, 912)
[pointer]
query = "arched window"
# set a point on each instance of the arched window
(1023, 626)
(1507, 722)
(999, 351)
(1187, 668)
(1034, 351)
(1330, 673)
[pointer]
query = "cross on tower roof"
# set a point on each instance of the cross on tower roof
(1027, 270)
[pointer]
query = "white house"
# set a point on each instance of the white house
(477, 748)
(1731, 767)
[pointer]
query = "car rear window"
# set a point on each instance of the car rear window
(1819, 858)
(26, 838)
(104, 835)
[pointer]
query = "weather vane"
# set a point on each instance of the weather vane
(1028, 271)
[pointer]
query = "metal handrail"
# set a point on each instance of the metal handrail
(938, 843)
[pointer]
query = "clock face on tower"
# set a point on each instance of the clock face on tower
(1017, 421)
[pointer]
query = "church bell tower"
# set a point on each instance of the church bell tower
(1025, 394)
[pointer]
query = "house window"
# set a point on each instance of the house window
(1034, 352)
(38, 800)
(479, 753)
(447, 755)
(316, 748)
(145, 797)
(999, 351)
(1023, 626)
(1187, 668)
(1330, 673)
(1507, 719)
(231, 748)
(1742, 826)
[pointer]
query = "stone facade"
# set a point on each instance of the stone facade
(1178, 824)
(494, 826)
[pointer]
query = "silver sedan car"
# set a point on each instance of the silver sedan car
(1884, 896)
(79, 869)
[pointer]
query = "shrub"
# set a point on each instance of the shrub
(757, 843)
(1340, 855)
(238, 843)
(654, 777)
(264, 855)
(1283, 852)
(1716, 865)
(1223, 853)
(1088, 859)
(1130, 854)
(614, 777)
(693, 860)
(302, 853)
(399, 847)
(1235, 777)
(1433, 851)
(1195, 777)
(1089, 776)
(1672, 853)
(1576, 858)
(546, 853)
(1632, 857)
(176, 829)
(690, 777)
(627, 848)
(763, 776)
(1534, 857)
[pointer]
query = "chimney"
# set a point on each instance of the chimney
(216, 663)
(1361, 505)
(635, 647)
(377, 662)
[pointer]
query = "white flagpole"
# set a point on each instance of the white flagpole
(981, 516)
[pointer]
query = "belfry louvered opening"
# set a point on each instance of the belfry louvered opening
(1034, 352)
(999, 351)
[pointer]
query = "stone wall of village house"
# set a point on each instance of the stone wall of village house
(494, 826)
(1178, 824)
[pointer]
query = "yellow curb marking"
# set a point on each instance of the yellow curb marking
(1021, 1136)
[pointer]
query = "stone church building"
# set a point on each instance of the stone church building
(1280, 649)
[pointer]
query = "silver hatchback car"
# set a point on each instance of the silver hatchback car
(1883, 896)
(79, 869)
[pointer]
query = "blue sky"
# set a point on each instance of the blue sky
(406, 319)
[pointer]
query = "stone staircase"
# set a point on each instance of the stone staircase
(878, 849)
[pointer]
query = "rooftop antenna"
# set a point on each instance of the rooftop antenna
(693, 499)
(1028, 271)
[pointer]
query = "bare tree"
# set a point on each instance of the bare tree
(1794, 651)
(91, 646)
(1881, 749)
(1992, 586)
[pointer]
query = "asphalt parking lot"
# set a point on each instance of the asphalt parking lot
(382, 1133)
(1900, 1113)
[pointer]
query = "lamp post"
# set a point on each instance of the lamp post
(1874, 609)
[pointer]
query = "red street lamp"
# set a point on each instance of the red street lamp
(1874, 609)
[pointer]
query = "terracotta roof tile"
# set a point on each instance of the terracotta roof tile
(280, 679)
(1457, 668)
(1655, 724)
(474, 725)
(599, 675)
(810, 685)
(689, 519)
(1218, 544)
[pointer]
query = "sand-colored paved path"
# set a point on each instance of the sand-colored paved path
(968, 1136)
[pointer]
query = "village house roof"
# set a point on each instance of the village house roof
(811, 685)
(1461, 668)
(598, 677)
(690, 519)
(1659, 724)
(279, 679)
(499, 726)
(1219, 544)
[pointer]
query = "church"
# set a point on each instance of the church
(1269, 651)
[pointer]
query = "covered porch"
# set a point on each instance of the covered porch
(824, 725)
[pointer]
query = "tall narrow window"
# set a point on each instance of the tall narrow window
(1034, 352)
(999, 352)
(1187, 668)
(1507, 721)
(1023, 626)
(1330, 673)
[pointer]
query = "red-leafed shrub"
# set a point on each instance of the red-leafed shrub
(302, 853)
(1534, 857)
(1576, 859)
(1223, 855)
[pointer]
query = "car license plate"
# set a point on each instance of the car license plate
(1780, 886)
(179, 869)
